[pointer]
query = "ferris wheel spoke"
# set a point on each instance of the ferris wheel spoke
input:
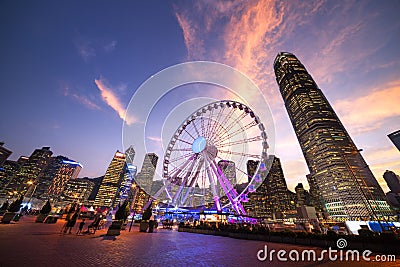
(216, 123)
(181, 149)
(180, 157)
(240, 170)
(184, 181)
(202, 126)
(219, 176)
(236, 121)
(213, 185)
(243, 141)
(189, 134)
(225, 121)
(195, 128)
(191, 187)
(208, 129)
(225, 182)
(184, 141)
(177, 170)
(239, 154)
(238, 131)
(228, 117)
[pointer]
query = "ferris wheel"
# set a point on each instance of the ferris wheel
(207, 158)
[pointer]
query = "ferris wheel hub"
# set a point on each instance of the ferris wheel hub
(199, 144)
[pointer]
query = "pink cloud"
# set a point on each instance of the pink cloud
(371, 109)
(86, 102)
(111, 99)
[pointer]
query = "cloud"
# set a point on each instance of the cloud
(193, 44)
(67, 91)
(155, 139)
(85, 50)
(110, 46)
(368, 112)
(109, 97)
(85, 101)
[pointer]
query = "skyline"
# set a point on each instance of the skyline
(68, 74)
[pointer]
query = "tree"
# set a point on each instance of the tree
(46, 208)
(16, 205)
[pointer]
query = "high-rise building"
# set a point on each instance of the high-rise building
(392, 180)
(76, 190)
(303, 197)
(395, 138)
(68, 170)
(96, 185)
(29, 171)
(146, 175)
(40, 188)
(7, 172)
(300, 195)
(338, 173)
(130, 155)
(271, 199)
(4, 153)
(110, 185)
(126, 185)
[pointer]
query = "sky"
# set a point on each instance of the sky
(68, 70)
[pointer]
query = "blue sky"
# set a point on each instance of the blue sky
(68, 69)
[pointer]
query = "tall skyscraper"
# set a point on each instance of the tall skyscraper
(395, 138)
(146, 175)
(130, 155)
(68, 170)
(338, 173)
(392, 180)
(271, 199)
(45, 179)
(76, 190)
(110, 186)
(7, 172)
(130, 171)
(4, 153)
(30, 170)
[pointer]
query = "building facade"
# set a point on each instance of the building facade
(392, 180)
(29, 171)
(67, 171)
(7, 172)
(339, 176)
(395, 138)
(110, 185)
(271, 199)
(146, 175)
(76, 191)
(4, 153)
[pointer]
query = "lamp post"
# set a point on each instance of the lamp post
(133, 187)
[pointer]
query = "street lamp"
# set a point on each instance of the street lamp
(32, 183)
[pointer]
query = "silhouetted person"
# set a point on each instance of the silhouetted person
(81, 225)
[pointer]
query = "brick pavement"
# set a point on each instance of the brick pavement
(26, 243)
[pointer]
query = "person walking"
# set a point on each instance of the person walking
(81, 225)
(71, 222)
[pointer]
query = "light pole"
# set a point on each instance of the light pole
(31, 183)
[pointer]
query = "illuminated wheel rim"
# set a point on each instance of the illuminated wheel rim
(206, 158)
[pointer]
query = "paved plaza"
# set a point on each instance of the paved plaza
(26, 243)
